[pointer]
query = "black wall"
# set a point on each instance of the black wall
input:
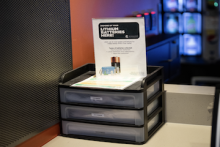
(35, 49)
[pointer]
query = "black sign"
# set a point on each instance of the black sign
(124, 30)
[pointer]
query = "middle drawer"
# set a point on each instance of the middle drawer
(135, 117)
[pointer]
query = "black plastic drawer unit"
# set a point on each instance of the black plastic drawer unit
(132, 115)
(134, 100)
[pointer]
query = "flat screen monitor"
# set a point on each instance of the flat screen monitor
(173, 23)
(192, 5)
(215, 136)
(173, 5)
(192, 23)
(191, 45)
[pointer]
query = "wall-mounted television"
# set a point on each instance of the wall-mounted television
(173, 23)
(192, 5)
(172, 5)
(191, 45)
(192, 23)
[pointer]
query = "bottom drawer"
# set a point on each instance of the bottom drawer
(153, 122)
(115, 132)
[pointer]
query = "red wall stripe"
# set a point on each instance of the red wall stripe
(42, 138)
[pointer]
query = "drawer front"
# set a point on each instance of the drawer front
(153, 89)
(101, 114)
(134, 100)
(153, 106)
(153, 122)
(115, 132)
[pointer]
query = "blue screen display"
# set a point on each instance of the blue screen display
(192, 22)
(173, 5)
(192, 5)
(173, 23)
(191, 44)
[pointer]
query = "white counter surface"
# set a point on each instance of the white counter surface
(170, 135)
(189, 104)
(189, 89)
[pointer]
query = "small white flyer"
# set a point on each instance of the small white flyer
(120, 53)
(120, 47)
(108, 83)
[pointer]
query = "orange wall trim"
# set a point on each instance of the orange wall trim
(81, 14)
(42, 138)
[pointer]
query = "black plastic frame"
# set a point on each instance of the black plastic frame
(158, 95)
(215, 117)
(155, 74)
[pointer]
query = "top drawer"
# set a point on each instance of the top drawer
(134, 100)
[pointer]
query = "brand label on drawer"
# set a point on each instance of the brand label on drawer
(100, 132)
(98, 115)
(96, 98)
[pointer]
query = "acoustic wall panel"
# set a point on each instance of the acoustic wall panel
(35, 50)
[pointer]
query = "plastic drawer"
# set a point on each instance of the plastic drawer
(153, 89)
(134, 100)
(115, 132)
(153, 122)
(101, 114)
(153, 106)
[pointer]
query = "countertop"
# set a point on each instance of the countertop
(170, 135)
(190, 89)
(189, 104)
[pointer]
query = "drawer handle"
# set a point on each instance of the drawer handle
(93, 98)
(174, 42)
(98, 115)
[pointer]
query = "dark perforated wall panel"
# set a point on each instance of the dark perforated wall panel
(35, 49)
